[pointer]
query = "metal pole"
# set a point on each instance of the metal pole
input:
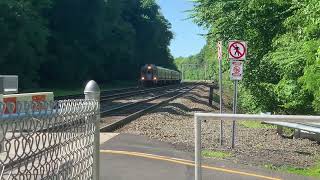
(235, 97)
(92, 91)
(197, 129)
(182, 72)
(220, 94)
(205, 72)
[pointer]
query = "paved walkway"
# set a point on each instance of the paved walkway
(129, 157)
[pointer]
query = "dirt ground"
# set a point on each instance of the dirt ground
(256, 144)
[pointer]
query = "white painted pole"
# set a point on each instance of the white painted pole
(92, 91)
(220, 92)
(197, 129)
(235, 99)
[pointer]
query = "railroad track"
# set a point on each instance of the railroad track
(115, 118)
(119, 95)
(123, 107)
(116, 93)
(120, 116)
(108, 92)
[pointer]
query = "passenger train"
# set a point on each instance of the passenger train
(152, 75)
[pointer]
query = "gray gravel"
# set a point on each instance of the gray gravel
(257, 146)
(132, 99)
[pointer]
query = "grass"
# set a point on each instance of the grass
(312, 171)
(79, 90)
(288, 132)
(256, 125)
(216, 98)
(215, 154)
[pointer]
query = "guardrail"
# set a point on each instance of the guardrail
(198, 117)
(60, 140)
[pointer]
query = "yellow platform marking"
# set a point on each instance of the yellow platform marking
(185, 162)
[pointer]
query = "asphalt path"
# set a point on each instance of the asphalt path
(131, 157)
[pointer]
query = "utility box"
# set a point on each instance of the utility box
(8, 84)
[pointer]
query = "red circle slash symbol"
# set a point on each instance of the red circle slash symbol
(237, 50)
(236, 70)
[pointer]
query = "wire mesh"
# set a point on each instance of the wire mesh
(47, 140)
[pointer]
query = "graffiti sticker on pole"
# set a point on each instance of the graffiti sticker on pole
(236, 70)
(219, 46)
(237, 50)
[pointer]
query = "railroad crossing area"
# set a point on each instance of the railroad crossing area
(125, 156)
(146, 133)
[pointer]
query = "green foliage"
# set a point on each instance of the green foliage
(313, 171)
(79, 89)
(67, 42)
(294, 55)
(196, 67)
(282, 69)
(215, 154)
(23, 37)
(256, 125)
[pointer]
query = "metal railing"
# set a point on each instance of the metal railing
(199, 117)
(51, 140)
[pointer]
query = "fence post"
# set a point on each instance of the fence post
(92, 91)
(197, 130)
(210, 95)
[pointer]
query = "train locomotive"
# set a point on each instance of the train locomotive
(152, 75)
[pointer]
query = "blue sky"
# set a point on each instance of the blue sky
(187, 40)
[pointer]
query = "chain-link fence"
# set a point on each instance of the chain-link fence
(48, 140)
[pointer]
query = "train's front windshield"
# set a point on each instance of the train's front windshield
(149, 74)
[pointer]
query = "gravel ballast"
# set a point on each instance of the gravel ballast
(174, 124)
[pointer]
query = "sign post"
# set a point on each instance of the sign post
(219, 46)
(237, 54)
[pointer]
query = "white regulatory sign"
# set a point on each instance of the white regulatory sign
(237, 50)
(236, 72)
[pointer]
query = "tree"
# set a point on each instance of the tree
(63, 43)
(23, 37)
(283, 37)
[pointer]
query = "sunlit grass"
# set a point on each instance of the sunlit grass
(215, 154)
(311, 171)
(256, 125)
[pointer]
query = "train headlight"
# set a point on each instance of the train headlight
(154, 78)
(142, 78)
(149, 67)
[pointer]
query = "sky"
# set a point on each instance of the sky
(187, 40)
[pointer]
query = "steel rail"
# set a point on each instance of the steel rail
(119, 108)
(105, 112)
(114, 94)
(120, 123)
(108, 128)
(111, 91)
(132, 93)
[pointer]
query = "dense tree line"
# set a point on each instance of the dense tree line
(282, 73)
(52, 43)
